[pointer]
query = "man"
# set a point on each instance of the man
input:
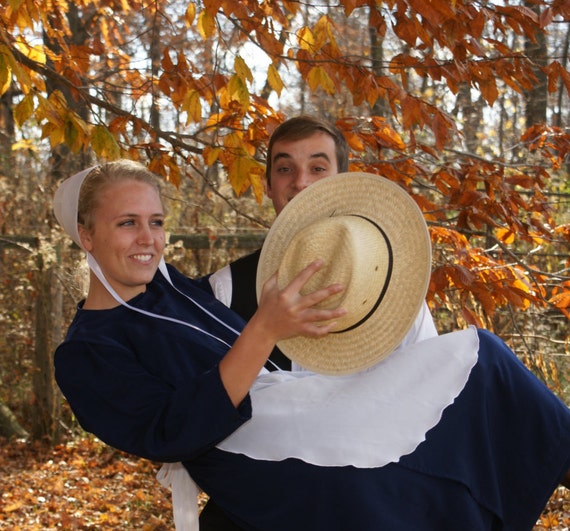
(301, 151)
(487, 457)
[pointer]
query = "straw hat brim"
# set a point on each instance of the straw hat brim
(396, 213)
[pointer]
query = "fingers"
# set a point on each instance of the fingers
(319, 323)
(304, 275)
(287, 312)
(296, 301)
(296, 285)
(317, 296)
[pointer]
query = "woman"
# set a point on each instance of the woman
(121, 226)
(154, 366)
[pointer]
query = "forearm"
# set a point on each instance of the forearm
(245, 359)
(163, 418)
(281, 314)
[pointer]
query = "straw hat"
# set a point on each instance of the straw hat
(374, 240)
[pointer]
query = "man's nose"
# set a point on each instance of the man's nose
(302, 180)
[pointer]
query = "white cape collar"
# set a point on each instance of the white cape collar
(365, 420)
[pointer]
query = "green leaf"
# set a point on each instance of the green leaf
(104, 143)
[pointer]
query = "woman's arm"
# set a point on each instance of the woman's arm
(155, 396)
(281, 314)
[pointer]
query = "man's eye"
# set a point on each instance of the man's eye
(158, 222)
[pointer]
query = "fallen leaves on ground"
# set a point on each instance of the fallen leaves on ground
(84, 484)
(556, 515)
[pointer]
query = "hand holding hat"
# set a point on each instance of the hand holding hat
(374, 240)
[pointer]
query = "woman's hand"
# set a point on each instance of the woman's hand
(282, 313)
(288, 313)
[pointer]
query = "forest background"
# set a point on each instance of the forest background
(465, 104)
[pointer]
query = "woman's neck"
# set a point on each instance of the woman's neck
(99, 297)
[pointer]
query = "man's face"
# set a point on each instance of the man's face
(296, 164)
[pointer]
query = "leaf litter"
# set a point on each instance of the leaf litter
(84, 484)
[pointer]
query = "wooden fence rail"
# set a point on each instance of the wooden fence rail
(245, 240)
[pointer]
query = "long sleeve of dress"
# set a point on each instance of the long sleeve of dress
(113, 397)
(146, 386)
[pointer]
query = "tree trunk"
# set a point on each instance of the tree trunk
(47, 398)
(537, 96)
(45, 423)
(7, 129)
(472, 116)
(156, 56)
(381, 107)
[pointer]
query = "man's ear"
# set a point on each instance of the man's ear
(267, 186)
(85, 237)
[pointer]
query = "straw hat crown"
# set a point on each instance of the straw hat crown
(356, 255)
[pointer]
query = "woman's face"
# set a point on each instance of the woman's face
(127, 237)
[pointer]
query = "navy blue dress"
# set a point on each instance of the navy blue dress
(152, 388)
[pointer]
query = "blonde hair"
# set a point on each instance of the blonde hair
(104, 175)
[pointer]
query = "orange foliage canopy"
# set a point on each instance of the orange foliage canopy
(82, 86)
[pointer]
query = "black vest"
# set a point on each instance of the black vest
(244, 300)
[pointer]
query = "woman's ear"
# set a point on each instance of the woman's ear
(85, 237)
